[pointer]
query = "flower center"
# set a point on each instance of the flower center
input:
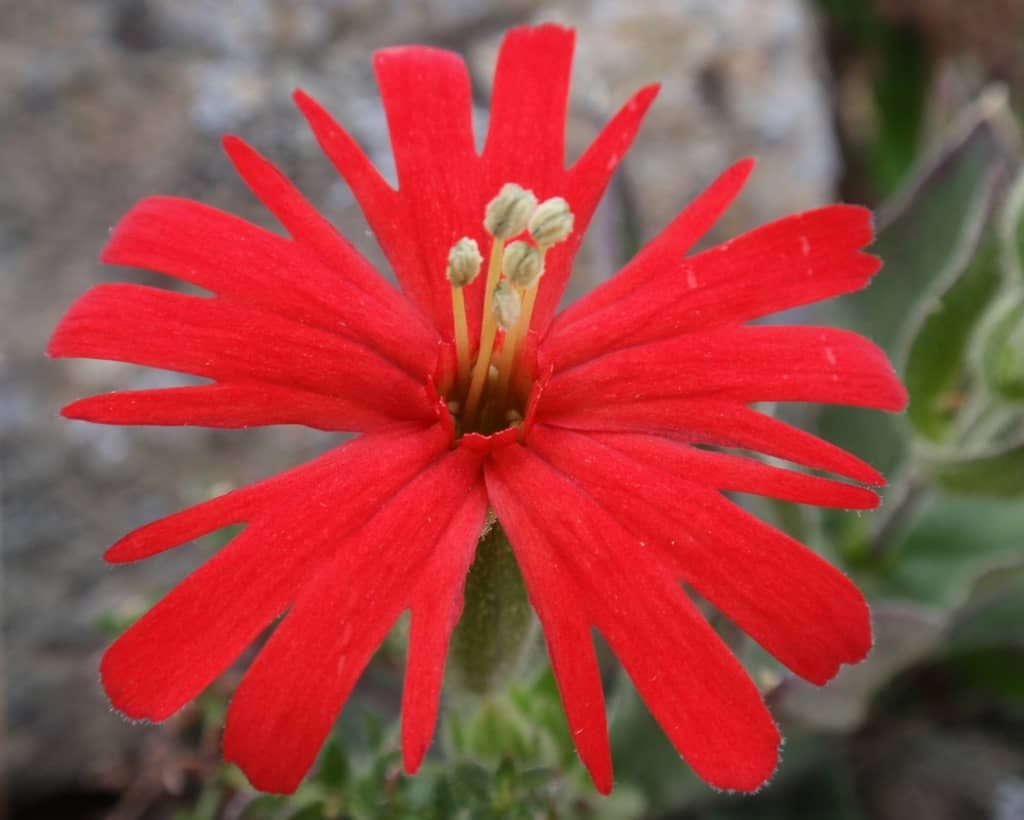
(492, 383)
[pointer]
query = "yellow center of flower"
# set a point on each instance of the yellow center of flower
(491, 388)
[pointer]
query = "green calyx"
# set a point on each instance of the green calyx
(489, 643)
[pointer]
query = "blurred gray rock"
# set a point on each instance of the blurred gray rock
(104, 102)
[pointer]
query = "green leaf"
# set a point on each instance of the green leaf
(1013, 233)
(900, 92)
(997, 471)
(953, 541)
(1003, 352)
(314, 811)
(926, 225)
(262, 807)
(470, 783)
(497, 729)
(334, 770)
(993, 614)
(936, 370)
(927, 235)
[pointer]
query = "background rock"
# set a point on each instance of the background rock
(104, 102)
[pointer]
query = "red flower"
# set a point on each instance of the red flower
(584, 446)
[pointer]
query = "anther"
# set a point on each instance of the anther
(506, 305)
(464, 261)
(510, 211)
(551, 222)
(522, 264)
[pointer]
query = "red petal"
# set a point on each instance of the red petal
(797, 606)
(739, 474)
(375, 464)
(232, 343)
(712, 712)
(372, 191)
(528, 106)
(296, 520)
(436, 606)
(797, 260)
(745, 364)
(247, 264)
(228, 406)
(665, 250)
(719, 423)
(311, 230)
(584, 185)
(291, 696)
(429, 108)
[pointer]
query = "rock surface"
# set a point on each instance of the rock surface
(104, 102)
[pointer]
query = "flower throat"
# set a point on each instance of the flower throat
(490, 389)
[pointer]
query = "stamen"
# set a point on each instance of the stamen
(488, 330)
(509, 212)
(522, 264)
(506, 305)
(551, 223)
(507, 215)
(509, 301)
(464, 262)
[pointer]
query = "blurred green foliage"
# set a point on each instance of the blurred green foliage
(899, 77)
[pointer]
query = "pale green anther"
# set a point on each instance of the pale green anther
(464, 261)
(552, 222)
(522, 264)
(506, 305)
(509, 212)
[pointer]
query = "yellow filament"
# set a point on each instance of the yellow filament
(522, 328)
(506, 362)
(488, 329)
(525, 315)
(461, 336)
(516, 337)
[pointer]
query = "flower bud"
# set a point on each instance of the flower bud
(506, 305)
(1004, 355)
(464, 261)
(552, 222)
(522, 264)
(510, 211)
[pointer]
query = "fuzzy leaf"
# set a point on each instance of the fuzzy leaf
(995, 472)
